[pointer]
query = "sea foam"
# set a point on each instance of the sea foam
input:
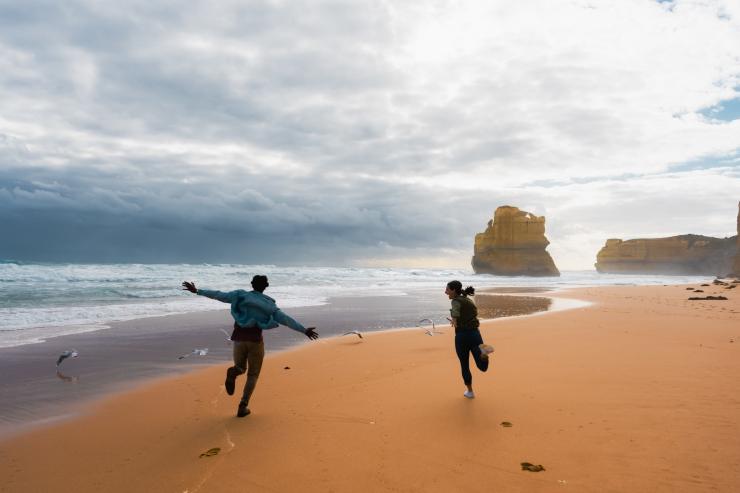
(42, 300)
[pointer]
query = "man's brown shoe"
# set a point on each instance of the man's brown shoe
(230, 382)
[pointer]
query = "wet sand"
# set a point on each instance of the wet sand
(514, 289)
(498, 306)
(32, 392)
(636, 392)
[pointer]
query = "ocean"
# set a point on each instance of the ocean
(43, 300)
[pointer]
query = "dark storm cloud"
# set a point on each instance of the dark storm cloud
(87, 214)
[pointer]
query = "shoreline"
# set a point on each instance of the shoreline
(92, 314)
(210, 322)
(33, 393)
(627, 394)
(80, 410)
(92, 328)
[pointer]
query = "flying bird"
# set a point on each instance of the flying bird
(194, 352)
(357, 333)
(71, 353)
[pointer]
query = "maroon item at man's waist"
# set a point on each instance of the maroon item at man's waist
(251, 334)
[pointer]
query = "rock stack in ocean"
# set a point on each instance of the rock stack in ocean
(736, 266)
(513, 245)
(684, 254)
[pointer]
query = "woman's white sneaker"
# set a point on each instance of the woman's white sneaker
(485, 350)
(469, 394)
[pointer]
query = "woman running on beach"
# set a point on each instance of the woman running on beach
(464, 318)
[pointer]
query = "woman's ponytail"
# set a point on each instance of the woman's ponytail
(456, 286)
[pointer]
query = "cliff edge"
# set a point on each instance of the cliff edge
(684, 254)
(736, 267)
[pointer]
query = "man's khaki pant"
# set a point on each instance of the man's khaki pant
(248, 358)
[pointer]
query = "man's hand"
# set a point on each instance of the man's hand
(311, 333)
(189, 286)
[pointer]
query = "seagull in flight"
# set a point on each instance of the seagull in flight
(70, 353)
(194, 352)
(355, 332)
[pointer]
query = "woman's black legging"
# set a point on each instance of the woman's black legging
(466, 342)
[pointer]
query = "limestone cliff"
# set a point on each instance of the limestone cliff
(736, 267)
(684, 254)
(513, 245)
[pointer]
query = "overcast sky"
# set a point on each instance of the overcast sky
(359, 132)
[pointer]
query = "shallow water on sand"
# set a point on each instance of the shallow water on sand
(495, 306)
(34, 391)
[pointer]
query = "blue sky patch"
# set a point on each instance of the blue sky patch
(727, 110)
(709, 162)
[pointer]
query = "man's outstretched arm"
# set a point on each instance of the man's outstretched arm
(283, 319)
(189, 286)
(216, 295)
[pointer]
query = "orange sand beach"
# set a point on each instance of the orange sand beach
(636, 392)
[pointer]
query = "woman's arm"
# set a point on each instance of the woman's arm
(454, 313)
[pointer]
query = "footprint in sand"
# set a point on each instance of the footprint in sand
(526, 466)
(210, 452)
(506, 424)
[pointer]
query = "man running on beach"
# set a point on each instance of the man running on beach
(253, 312)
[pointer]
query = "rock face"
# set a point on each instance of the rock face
(736, 267)
(684, 254)
(513, 245)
